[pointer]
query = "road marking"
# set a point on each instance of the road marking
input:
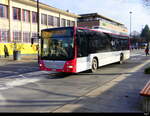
(133, 55)
(17, 82)
(135, 59)
(20, 80)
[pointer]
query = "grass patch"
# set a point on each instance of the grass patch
(147, 70)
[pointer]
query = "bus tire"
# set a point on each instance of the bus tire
(121, 58)
(94, 65)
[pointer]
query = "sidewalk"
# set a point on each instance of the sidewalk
(24, 58)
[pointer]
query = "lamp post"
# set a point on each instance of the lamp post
(130, 23)
(38, 21)
(38, 28)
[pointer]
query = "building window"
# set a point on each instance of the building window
(56, 21)
(68, 22)
(4, 36)
(72, 23)
(34, 17)
(3, 11)
(17, 36)
(16, 13)
(63, 22)
(26, 15)
(44, 19)
(26, 37)
(50, 20)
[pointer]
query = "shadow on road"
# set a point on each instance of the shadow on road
(17, 69)
(123, 96)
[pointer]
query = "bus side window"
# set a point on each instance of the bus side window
(113, 46)
(103, 43)
(82, 44)
(107, 43)
(96, 43)
(124, 44)
(91, 44)
(78, 45)
(118, 45)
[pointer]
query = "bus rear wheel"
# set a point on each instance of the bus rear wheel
(94, 65)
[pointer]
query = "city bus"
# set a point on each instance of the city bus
(76, 49)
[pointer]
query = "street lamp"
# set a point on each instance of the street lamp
(38, 28)
(130, 22)
(38, 21)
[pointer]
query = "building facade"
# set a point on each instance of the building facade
(18, 23)
(95, 21)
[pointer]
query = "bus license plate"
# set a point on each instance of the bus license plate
(54, 70)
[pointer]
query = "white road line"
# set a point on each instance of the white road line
(19, 80)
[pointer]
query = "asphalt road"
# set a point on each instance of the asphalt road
(23, 88)
(17, 68)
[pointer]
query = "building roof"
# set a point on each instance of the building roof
(48, 7)
(100, 16)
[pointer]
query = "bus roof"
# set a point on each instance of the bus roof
(106, 32)
(103, 31)
(56, 28)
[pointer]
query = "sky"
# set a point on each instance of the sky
(114, 9)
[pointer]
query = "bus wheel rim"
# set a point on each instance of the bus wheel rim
(94, 66)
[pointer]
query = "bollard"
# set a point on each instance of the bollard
(16, 55)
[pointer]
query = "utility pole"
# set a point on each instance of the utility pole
(130, 23)
(38, 29)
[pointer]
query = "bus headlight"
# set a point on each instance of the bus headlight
(70, 66)
(41, 65)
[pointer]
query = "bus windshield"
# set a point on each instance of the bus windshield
(57, 44)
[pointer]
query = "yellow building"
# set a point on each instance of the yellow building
(18, 23)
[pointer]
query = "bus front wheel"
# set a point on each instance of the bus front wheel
(94, 65)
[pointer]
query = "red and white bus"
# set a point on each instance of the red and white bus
(76, 49)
